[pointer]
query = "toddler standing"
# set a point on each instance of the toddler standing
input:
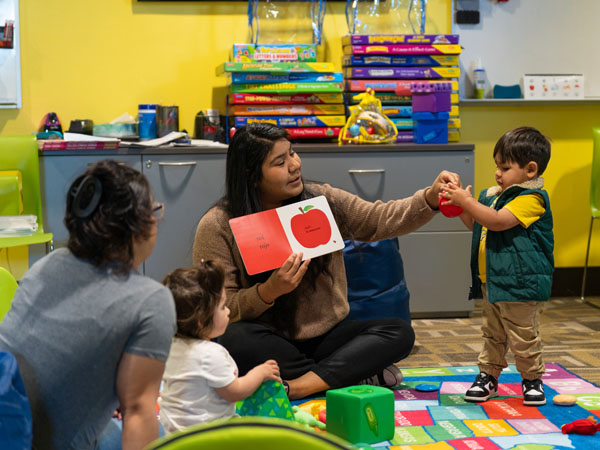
(201, 380)
(511, 261)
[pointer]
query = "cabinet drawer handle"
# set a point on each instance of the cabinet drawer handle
(366, 170)
(182, 163)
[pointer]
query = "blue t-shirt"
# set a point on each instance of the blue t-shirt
(69, 324)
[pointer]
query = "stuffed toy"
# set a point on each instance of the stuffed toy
(306, 418)
(581, 426)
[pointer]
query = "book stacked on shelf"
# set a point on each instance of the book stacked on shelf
(388, 64)
(305, 97)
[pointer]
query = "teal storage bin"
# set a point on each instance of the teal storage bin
(431, 128)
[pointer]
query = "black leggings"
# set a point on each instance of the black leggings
(351, 351)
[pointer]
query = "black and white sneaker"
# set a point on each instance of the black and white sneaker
(484, 387)
(389, 377)
(533, 393)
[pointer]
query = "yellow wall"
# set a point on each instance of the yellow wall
(97, 60)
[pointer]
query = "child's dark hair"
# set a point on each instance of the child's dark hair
(197, 293)
(522, 145)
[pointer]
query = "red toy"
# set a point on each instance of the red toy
(449, 210)
(581, 426)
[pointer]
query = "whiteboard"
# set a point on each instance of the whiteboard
(532, 37)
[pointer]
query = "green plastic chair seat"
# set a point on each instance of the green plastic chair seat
(8, 287)
(249, 433)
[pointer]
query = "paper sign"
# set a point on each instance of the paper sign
(266, 239)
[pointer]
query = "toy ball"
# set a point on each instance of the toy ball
(449, 210)
(354, 130)
(371, 130)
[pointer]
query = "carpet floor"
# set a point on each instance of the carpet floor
(570, 331)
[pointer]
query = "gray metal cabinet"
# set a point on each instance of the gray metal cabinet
(188, 184)
(436, 258)
(57, 171)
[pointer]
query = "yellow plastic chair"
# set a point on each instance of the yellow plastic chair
(20, 153)
(594, 201)
(8, 287)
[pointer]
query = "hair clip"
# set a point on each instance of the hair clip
(89, 188)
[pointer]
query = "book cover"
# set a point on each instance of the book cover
(402, 72)
(274, 52)
(293, 121)
(266, 239)
(287, 110)
(399, 87)
(282, 99)
(402, 49)
(409, 60)
(304, 77)
(275, 67)
(314, 133)
(363, 39)
(256, 88)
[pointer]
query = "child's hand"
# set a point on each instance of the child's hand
(456, 195)
(269, 370)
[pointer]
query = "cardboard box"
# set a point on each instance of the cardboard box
(552, 86)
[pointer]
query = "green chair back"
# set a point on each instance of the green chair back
(250, 433)
(21, 153)
(595, 181)
(8, 287)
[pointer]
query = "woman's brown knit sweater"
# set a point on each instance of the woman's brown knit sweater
(320, 309)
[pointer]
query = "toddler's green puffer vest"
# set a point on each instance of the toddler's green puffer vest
(519, 261)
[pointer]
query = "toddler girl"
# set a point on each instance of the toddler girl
(201, 380)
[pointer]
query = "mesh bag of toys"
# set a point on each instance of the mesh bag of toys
(367, 124)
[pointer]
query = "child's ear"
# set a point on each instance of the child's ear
(532, 169)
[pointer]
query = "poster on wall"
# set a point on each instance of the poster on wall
(10, 59)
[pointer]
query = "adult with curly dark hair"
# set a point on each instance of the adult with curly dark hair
(296, 314)
(89, 332)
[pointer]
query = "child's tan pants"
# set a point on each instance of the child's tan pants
(514, 326)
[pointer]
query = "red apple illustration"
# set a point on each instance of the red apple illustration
(311, 228)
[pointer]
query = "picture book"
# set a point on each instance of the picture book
(402, 49)
(293, 121)
(275, 67)
(267, 238)
(402, 72)
(395, 60)
(283, 99)
(364, 39)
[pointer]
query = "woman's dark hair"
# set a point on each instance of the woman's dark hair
(247, 151)
(107, 207)
(522, 145)
(197, 293)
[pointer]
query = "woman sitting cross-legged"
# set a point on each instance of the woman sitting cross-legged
(296, 315)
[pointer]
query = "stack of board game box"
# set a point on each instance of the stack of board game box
(285, 85)
(390, 63)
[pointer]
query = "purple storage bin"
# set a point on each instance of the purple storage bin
(431, 97)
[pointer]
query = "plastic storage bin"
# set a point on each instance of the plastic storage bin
(431, 128)
(431, 97)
